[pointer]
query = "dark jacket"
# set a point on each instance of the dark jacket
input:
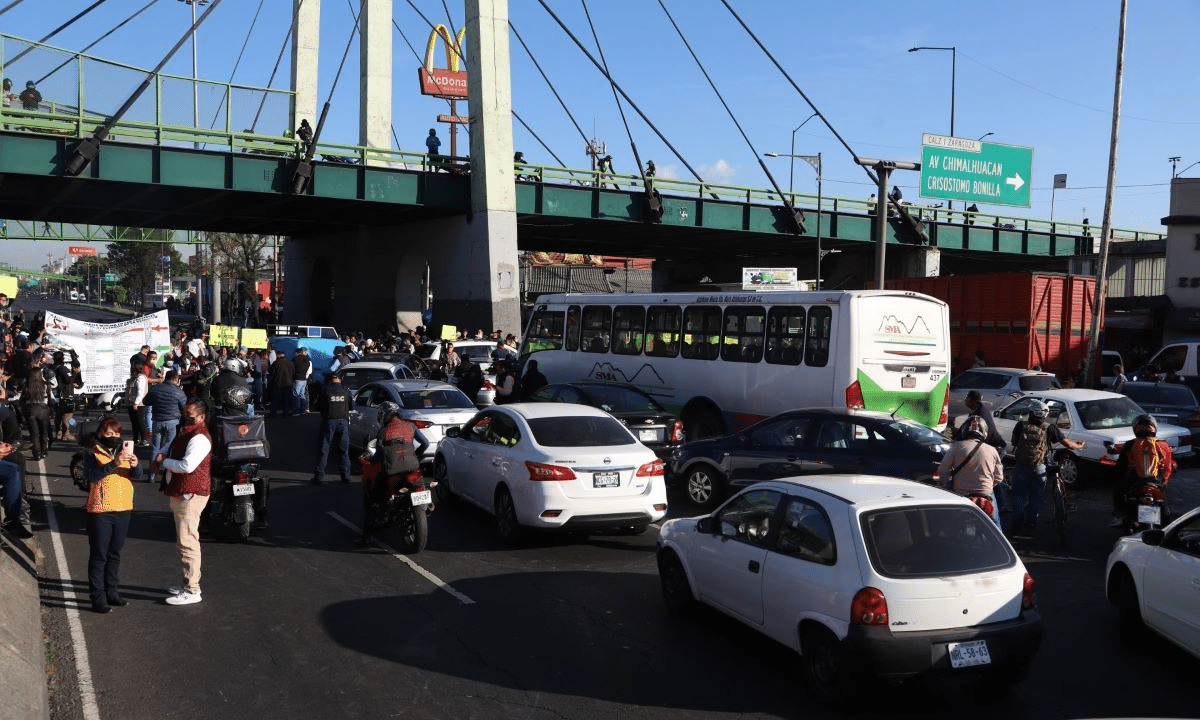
(167, 401)
(283, 373)
(334, 403)
(302, 365)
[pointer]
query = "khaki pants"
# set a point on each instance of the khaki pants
(186, 510)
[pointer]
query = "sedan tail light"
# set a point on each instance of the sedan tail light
(869, 607)
(651, 469)
(542, 471)
(677, 434)
(1028, 594)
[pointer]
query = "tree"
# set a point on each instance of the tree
(140, 262)
(241, 258)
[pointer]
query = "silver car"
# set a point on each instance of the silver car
(433, 405)
(998, 386)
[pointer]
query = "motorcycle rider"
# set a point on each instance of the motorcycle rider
(394, 432)
(972, 467)
(230, 391)
(1128, 476)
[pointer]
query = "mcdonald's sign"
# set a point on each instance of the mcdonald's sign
(448, 82)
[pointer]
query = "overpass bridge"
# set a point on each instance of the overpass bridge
(367, 206)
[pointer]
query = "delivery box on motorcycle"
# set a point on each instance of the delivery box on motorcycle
(241, 438)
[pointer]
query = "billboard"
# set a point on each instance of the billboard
(451, 81)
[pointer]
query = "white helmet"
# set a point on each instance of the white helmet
(232, 364)
(1038, 409)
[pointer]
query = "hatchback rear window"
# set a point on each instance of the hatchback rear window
(1036, 383)
(927, 541)
(579, 432)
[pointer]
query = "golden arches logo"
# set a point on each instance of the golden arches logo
(448, 82)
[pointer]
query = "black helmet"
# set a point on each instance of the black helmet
(976, 427)
(1144, 425)
(387, 411)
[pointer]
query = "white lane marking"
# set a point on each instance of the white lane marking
(407, 561)
(83, 668)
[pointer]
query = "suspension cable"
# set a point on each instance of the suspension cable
(554, 90)
(621, 90)
(637, 158)
(236, 63)
(452, 47)
(95, 42)
(546, 147)
(787, 201)
(11, 5)
(278, 59)
(58, 29)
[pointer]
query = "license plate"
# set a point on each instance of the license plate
(968, 654)
(422, 497)
(908, 382)
(1150, 514)
(606, 479)
(647, 435)
(240, 489)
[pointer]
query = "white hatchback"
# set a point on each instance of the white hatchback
(553, 466)
(861, 575)
(1153, 578)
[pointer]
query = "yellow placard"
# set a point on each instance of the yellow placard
(449, 332)
(222, 336)
(8, 286)
(254, 338)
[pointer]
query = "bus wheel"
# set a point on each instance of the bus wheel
(704, 422)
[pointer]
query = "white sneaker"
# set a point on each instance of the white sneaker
(184, 598)
(174, 589)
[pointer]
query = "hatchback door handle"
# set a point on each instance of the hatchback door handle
(753, 566)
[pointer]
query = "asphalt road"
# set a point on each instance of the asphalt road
(299, 623)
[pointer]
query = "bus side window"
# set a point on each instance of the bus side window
(545, 332)
(785, 335)
(597, 328)
(572, 338)
(820, 327)
(662, 331)
(629, 325)
(702, 323)
(743, 334)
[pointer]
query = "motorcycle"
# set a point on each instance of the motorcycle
(402, 501)
(239, 492)
(1144, 505)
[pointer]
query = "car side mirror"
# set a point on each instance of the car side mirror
(1153, 537)
(453, 432)
(707, 525)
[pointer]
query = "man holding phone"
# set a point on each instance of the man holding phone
(188, 484)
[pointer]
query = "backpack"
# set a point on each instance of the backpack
(1150, 459)
(399, 455)
(1032, 445)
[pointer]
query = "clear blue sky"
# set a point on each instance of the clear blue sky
(1037, 74)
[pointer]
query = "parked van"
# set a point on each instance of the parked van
(1182, 356)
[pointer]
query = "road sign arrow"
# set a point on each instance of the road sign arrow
(1016, 181)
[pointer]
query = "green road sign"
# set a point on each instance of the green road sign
(109, 277)
(973, 171)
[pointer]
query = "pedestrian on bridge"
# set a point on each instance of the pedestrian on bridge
(433, 145)
(30, 97)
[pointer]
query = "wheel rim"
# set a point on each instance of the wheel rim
(1068, 470)
(823, 661)
(700, 487)
(506, 514)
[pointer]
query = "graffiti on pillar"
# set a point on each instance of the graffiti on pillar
(450, 81)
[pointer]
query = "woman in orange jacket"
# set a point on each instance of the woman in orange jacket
(108, 468)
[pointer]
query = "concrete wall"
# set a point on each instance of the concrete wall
(1183, 245)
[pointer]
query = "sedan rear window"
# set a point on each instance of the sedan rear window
(435, 399)
(579, 432)
(1119, 412)
(934, 541)
(614, 398)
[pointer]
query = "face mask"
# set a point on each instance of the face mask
(112, 443)
(187, 421)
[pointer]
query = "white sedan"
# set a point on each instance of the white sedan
(1154, 580)
(1093, 417)
(555, 466)
(861, 575)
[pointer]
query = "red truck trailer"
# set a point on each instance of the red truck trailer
(1015, 319)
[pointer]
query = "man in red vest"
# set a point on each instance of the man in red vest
(188, 484)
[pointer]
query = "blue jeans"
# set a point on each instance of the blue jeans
(106, 536)
(300, 396)
(329, 429)
(1028, 485)
(147, 420)
(14, 489)
(161, 435)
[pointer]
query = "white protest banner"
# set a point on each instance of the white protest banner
(104, 349)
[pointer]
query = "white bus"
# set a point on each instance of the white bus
(723, 361)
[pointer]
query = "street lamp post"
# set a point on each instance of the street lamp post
(195, 71)
(953, 89)
(815, 161)
(792, 163)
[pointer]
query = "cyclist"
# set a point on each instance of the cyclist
(1032, 441)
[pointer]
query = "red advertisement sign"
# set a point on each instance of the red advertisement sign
(82, 250)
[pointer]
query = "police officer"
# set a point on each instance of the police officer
(334, 407)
